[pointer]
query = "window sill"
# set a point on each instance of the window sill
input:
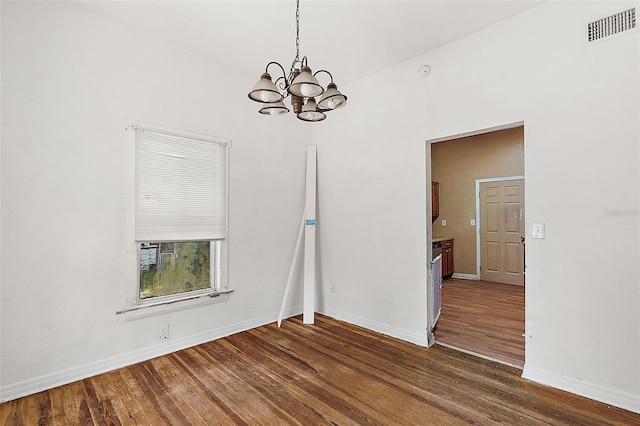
(146, 310)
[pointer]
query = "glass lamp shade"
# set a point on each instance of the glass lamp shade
(265, 91)
(310, 113)
(332, 99)
(277, 108)
(306, 85)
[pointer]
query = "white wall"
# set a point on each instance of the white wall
(580, 107)
(372, 207)
(69, 80)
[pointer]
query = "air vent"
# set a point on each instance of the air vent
(612, 24)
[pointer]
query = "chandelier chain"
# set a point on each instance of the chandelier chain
(297, 29)
(297, 58)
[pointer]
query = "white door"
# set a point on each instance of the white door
(502, 231)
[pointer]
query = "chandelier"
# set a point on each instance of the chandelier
(301, 85)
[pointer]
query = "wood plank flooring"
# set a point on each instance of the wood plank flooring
(484, 318)
(329, 373)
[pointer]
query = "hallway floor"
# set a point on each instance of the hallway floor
(483, 318)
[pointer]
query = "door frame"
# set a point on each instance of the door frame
(478, 182)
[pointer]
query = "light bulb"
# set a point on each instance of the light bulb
(267, 96)
(331, 104)
(306, 89)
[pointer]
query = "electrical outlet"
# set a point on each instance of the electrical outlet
(164, 332)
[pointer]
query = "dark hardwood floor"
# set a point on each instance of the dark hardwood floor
(328, 373)
(484, 318)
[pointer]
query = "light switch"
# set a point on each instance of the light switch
(537, 230)
(472, 222)
(444, 222)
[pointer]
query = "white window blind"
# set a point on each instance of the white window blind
(181, 188)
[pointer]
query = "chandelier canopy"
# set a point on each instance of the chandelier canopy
(301, 84)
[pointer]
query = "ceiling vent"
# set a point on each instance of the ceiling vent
(612, 24)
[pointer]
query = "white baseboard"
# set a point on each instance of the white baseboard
(58, 378)
(465, 276)
(594, 391)
(398, 333)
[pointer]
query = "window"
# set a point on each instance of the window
(180, 213)
(168, 268)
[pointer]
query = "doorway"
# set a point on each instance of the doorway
(460, 164)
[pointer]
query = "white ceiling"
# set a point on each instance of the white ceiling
(352, 39)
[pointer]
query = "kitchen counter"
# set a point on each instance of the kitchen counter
(440, 239)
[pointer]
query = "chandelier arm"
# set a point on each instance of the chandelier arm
(278, 64)
(282, 85)
(296, 61)
(285, 82)
(324, 71)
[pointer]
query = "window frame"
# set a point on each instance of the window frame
(219, 283)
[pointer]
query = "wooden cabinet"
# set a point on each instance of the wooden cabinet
(447, 258)
(435, 201)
